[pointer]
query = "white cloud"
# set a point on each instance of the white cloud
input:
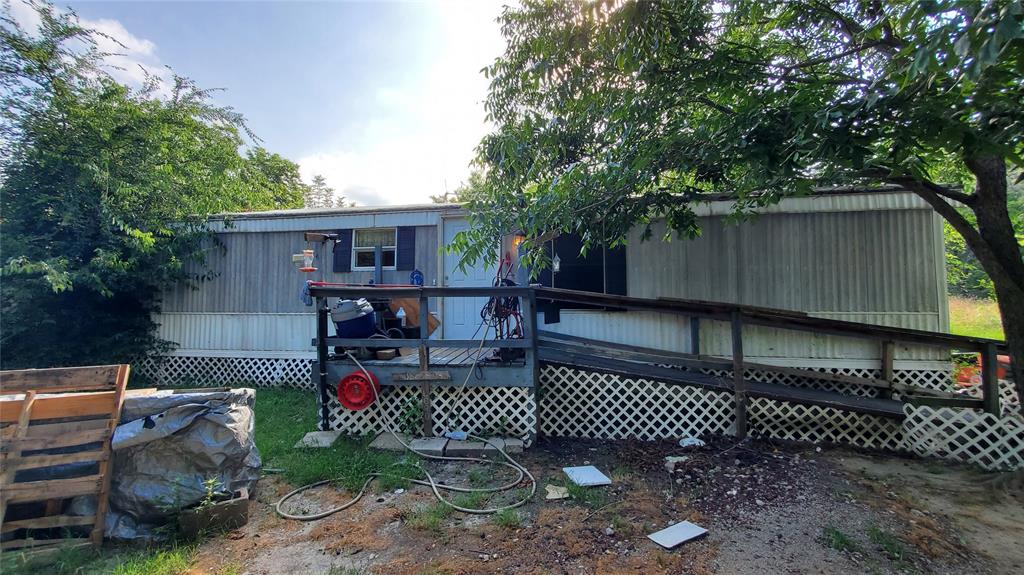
(127, 55)
(393, 161)
(129, 58)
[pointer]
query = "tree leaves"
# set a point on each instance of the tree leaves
(599, 106)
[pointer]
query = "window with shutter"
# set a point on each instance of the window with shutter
(364, 248)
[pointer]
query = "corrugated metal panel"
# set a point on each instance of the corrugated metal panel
(328, 221)
(243, 332)
(854, 202)
(830, 262)
(255, 274)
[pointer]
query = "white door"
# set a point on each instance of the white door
(462, 314)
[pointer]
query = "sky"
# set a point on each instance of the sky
(384, 99)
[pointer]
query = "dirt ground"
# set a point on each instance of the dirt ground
(769, 509)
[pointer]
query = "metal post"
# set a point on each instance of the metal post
(739, 386)
(425, 387)
(322, 311)
(888, 373)
(990, 379)
(530, 317)
(694, 335)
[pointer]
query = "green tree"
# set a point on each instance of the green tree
(320, 195)
(472, 187)
(622, 112)
(104, 194)
(276, 178)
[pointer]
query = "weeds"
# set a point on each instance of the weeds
(474, 500)
(838, 540)
(429, 518)
(507, 519)
(621, 525)
(588, 496)
(892, 546)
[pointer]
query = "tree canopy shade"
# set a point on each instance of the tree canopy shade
(105, 192)
(618, 112)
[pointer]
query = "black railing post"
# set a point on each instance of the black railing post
(739, 386)
(695, 335)
(990, 379)
(888, 369)
(425, 387)
(322, 315)
(530, 318)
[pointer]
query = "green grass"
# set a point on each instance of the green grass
(507, 519)
(429, 517)
(283, 416)
(838, 540)
(471, 500)
(593, 497)
(172, 560)
(892, 546)
(975, 317)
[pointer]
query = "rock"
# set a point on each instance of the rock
(609, 531)
(759, 502)
(672, 460)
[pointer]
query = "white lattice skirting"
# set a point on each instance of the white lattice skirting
(483, 411)
(202, 371)
(965, 435)
(577, 403)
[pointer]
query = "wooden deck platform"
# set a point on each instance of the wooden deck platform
(439, 357)
(447, 366)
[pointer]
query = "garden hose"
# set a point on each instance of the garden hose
(429, 481)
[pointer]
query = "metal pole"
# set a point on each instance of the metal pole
(739, 386)
(322, 311)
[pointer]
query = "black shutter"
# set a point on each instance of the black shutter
(405, 259)
(343, 252)
(615, 270)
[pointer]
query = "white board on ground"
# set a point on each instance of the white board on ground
(586, 476)
(681, 532)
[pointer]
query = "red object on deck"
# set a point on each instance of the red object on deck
(355, 391)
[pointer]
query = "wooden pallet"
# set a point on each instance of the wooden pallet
(56, 417)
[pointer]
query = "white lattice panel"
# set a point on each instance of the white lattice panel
(989, 441)
(1008, 401)
(484, 411)
(197, 371)
(817, 424)
(577, 403)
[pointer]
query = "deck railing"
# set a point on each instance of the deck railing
(736, 315)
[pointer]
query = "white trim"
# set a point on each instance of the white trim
(243, 353)
(357, 249)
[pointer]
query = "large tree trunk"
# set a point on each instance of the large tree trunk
(1002, 256)
(992, 242)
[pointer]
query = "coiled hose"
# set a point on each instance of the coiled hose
(521, 472)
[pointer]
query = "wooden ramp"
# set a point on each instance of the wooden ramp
(684, 369)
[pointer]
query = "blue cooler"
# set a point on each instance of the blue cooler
(354, 318)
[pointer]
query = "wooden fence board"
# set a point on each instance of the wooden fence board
(36, 420)
(103, 377)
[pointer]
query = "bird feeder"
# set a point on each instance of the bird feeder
(307, 262)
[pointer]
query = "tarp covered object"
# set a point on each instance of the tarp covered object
(167, 445)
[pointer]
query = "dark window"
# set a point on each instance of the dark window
(601, 270)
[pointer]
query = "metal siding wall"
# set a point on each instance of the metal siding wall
(253, 303)
(874, 267)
